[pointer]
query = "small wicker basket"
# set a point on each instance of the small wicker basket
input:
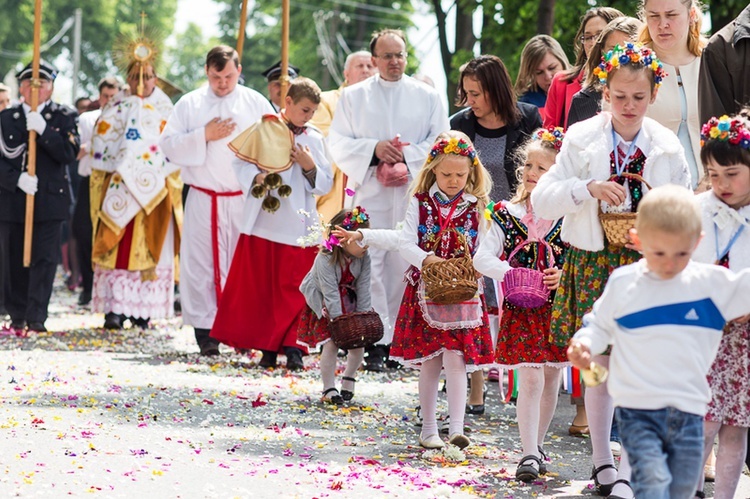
(524, 287)
(451, 281)
(617, 226)
(356, 330)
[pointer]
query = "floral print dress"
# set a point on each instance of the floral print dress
(414, 340)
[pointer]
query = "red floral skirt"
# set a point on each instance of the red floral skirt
(524, 338)
(311, 331)
(414, 341)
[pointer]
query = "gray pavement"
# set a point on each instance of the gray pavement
(138, 413)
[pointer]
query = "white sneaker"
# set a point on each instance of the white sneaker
(431, 442)
(459, 440)
(616, 448)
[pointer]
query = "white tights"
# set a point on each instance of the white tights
(455, 379)
(328, 356)
(730, 456)
(537, 399)
(600, 410)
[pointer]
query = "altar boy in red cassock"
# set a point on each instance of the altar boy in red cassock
(281, 163)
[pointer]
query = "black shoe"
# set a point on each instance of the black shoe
(476, 410)
(392, 364)
(603, 489)
(37, 327)
(526, 471)
(294, 359)
(347, 395)
(333, 398)
(268, 360)
(210, 348)
(84, 298)
(18, 325)
(113, 320)
(375, 358)
(140, 322)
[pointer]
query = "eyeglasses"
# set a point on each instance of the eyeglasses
(394, 55)
(590, 39)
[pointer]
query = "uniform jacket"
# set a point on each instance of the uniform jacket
(56, 148)
(724, 85)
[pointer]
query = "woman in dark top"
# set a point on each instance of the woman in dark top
(493, 120)
(497, 125)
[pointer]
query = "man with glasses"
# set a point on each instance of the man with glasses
(380, 136)
(28, 290)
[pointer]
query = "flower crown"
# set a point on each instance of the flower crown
(552, 136)
(631, 53)
(726, 129)
(354, 218)
(456, 146)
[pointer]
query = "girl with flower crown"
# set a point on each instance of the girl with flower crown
(606, 164)
(725, 154)
(443, 221)
(338, 283)
(521, 239)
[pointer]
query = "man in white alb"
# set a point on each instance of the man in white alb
(371, 117)
(196, 136)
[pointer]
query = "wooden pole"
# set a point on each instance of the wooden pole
(28, 232)
(284, 78)
(241, 34)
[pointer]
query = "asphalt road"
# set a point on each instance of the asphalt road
(86, 412)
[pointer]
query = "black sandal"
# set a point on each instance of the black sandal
(333, 399)
(620, 480)
(603, 489)
(346, 394)
(527, 472)
(700, 494)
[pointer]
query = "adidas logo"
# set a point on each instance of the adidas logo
(692, 315)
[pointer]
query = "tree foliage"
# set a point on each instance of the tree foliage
(102, 21)
(321, 34)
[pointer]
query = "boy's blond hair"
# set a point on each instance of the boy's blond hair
(669, 208)
(478, 184)
(304, 88)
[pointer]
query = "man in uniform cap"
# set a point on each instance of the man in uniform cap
(28, 290)
(272, 75)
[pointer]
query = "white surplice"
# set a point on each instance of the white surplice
(86, 122)
(208, 166)
(368, 112)
(297, 215)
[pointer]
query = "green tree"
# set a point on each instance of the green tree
(103, 20)
(186, 60)
(322, 34)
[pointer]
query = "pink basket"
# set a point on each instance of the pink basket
(524, 287)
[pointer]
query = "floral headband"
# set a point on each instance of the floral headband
(354, 218)
(453, 146)
(552, 136)
(631, 53)
(726, 129)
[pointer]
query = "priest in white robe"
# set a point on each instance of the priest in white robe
(203, 122)
(370, 119)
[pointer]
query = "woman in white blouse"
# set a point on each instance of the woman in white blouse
(673, 31)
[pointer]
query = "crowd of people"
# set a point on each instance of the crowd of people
(600, 205)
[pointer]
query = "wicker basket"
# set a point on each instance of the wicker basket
(524, 287)
(617, 226)
(451, 281)
(356, 330)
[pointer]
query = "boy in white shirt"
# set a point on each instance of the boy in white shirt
(663, 316)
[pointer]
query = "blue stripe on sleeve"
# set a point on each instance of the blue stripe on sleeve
(701, 313)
